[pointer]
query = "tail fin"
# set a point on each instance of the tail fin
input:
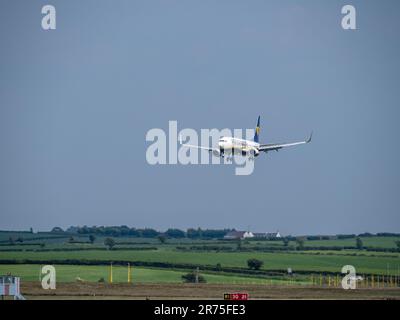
(257, 133)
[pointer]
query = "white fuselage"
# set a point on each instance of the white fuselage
(231, 144)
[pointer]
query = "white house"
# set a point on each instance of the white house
(238, 235)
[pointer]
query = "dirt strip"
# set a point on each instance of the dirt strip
(33, 290)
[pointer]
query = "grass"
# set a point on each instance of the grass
(374, 241)
(70, 273)
(272, 261)
(313, 261)
(377, 242)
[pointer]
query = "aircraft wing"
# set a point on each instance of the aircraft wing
(277, 146)
(213, 150)
(200, 147)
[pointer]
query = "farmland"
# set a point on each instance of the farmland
(179, 254)
(73, 273)
(83, 265)
(272, 261)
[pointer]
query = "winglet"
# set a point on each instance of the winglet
(309, 139)
(257, 131)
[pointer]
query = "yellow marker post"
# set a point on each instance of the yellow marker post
(129, 273)
(110, 277)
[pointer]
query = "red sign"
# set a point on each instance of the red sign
(236, 296)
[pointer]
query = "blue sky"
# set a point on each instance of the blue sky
(77, 102)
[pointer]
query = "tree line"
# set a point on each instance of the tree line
(193, 233)
(124, 231)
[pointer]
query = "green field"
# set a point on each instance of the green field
(59, 241)
(43, 246)
(66, 273)
(272, 261)
(377, 242)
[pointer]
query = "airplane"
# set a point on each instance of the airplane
(251, 148)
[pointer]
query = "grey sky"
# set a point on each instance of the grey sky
(76, 103)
